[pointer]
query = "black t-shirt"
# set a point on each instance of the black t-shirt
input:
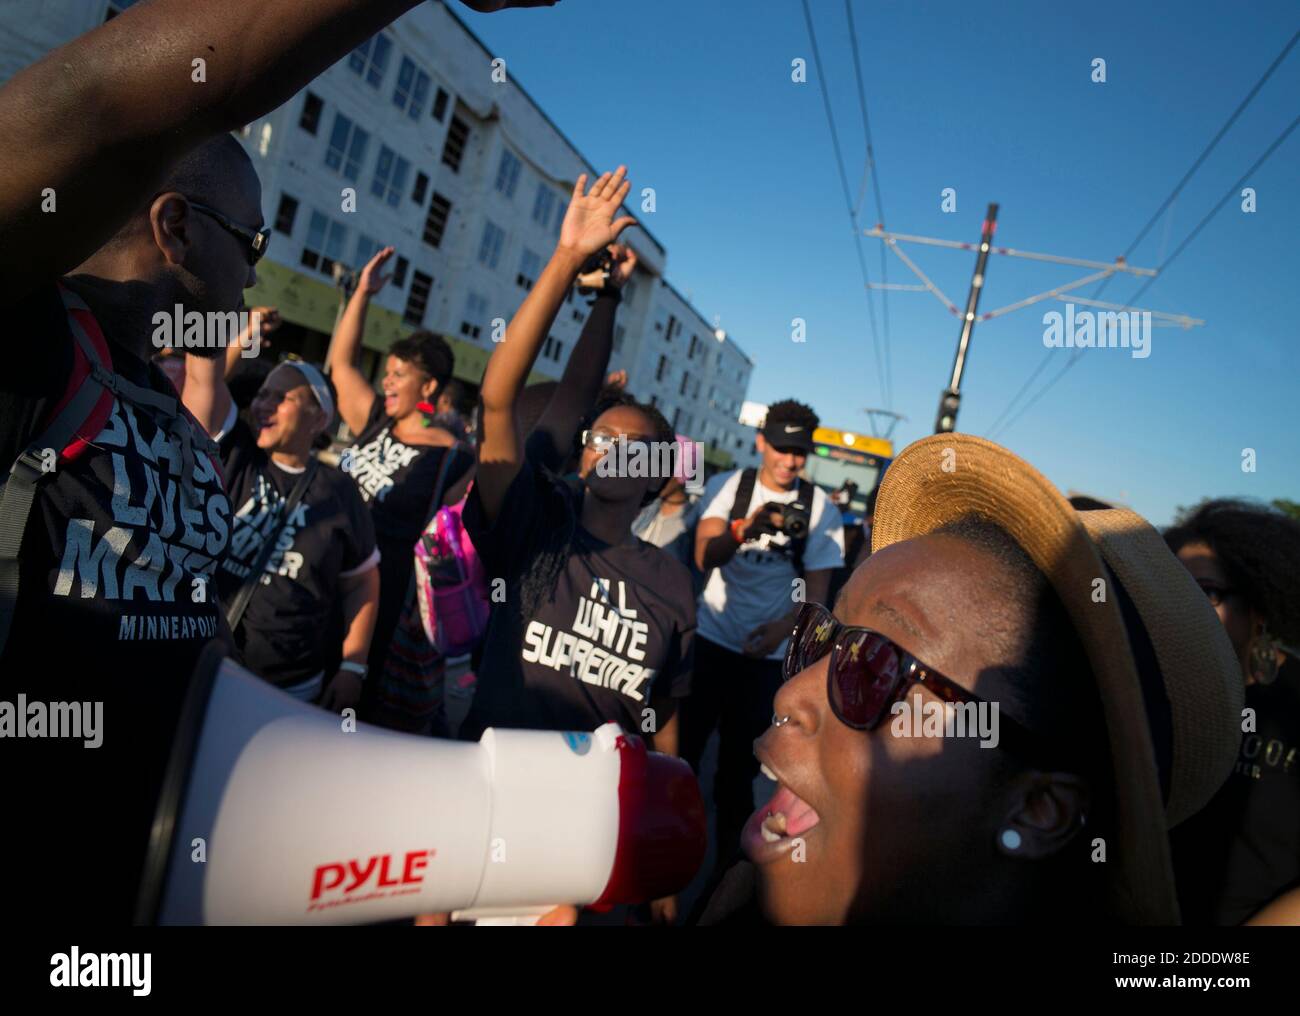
(328, 537)
(619, 627)
(114, 606)
(1243, 849)
(396, 481)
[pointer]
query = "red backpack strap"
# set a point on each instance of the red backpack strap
(90, 358)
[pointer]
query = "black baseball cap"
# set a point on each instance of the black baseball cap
(788, 434)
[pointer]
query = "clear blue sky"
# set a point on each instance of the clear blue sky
(996, 101)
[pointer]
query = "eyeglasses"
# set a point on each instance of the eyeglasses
(869, 672)
(256, 239)
(599, 441)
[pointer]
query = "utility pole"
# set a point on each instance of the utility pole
(950, 400)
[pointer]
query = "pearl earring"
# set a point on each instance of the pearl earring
(1010, 839)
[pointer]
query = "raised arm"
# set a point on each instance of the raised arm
(206, 395)
(96, 124)
(584, 373)
(589, 224)
(356, 396)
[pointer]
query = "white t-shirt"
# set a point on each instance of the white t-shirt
(756, 585)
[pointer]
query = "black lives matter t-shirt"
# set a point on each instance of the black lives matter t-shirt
(328, 537)
(115, 603)
(396, 480)
(1243, 849)
(618, 629)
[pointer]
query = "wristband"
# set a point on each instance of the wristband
(736, 526)
(360, 669)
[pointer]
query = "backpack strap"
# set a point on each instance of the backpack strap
(744, 492)
(240, 603)
(86, 398)
(805, 492)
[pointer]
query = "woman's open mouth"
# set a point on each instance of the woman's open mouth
(778, 826)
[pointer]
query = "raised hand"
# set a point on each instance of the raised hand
(372, 280)
(624, 264)
(589, 224)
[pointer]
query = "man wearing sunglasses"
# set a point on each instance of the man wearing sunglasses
(121, 196)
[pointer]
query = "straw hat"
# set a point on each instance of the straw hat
(1170, 685)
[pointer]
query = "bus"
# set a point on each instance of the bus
(842, 455)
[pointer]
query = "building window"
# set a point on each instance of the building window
(542, 205)
(508, 173)
(312, 108)
(475, 316)
(412, 89)
(436, 223)
(440, 105)
(421, 188)
(417, 299)
(690, 353)
(677, 415)
(370, 60)
(285, 214)
(619, 332)
(325, 239)
(489, 249)
(686, 381)
(453, 150)
(530, 266)
(367, 248)
(577, 316)
(390, 177)
(399, 273)
(663, 366)
(347, 149)
(559, 351)
(672, 324)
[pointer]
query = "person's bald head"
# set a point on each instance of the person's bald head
(168, 243)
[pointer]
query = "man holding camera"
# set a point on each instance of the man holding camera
(767, 541)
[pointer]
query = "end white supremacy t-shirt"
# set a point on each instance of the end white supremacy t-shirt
(755, 586)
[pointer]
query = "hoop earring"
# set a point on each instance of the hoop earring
(1261, 657)
(779, 722)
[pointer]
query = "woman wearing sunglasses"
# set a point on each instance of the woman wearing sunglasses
(594, 625)
(1097, 692)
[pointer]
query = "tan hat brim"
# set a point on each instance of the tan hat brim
(943, 478)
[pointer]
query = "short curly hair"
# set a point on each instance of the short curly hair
(428, 353)
(1259, 550)
(790, 411)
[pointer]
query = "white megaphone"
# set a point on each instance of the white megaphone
(276, 812)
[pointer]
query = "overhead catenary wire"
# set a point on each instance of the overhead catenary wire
(994, 428)
(875, 187)
(848, 199)
(1228, 195)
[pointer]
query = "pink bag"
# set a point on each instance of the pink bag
(451, 584)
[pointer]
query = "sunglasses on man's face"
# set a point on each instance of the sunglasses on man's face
(868, 672)
(256, 240)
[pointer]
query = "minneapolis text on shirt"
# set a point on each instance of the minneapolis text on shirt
(603, 634)
(157, 540)
(253, 524)
(373, 464)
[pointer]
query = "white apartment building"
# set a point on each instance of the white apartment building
(422, 140)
